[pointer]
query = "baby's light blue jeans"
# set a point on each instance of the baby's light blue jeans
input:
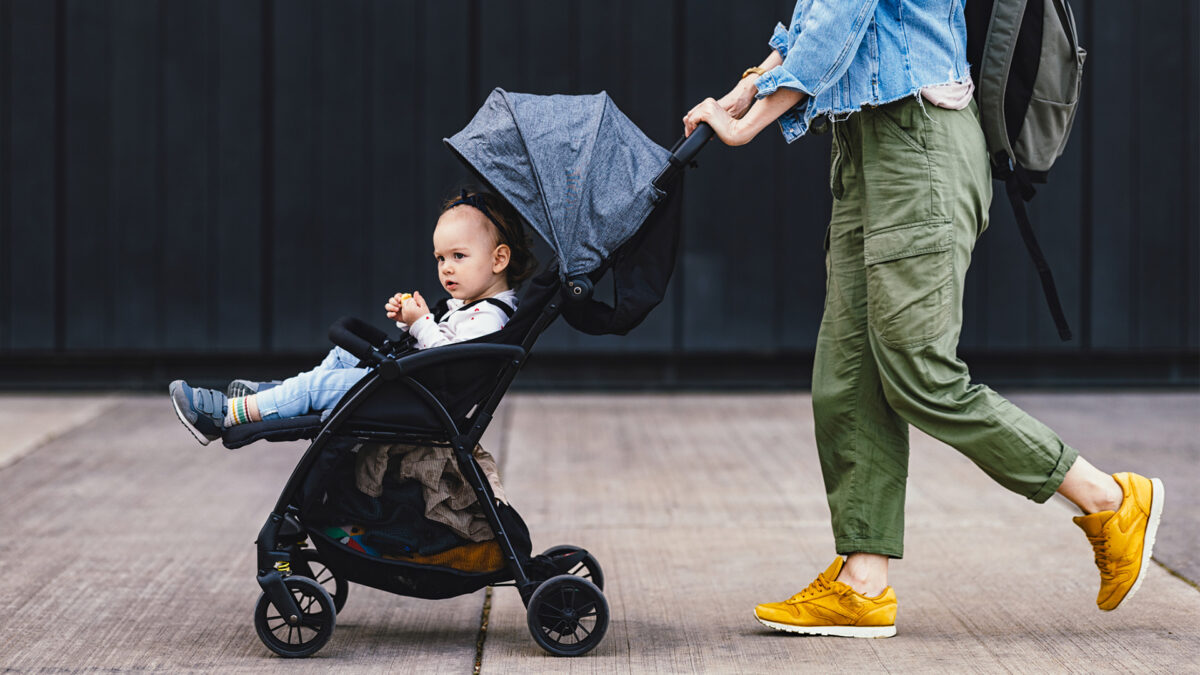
(318, 389)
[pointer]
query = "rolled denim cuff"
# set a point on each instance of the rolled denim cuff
(779, 39)
(777, 77)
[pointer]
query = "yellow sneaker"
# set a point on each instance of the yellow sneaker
(829, 607)
(1123, 539)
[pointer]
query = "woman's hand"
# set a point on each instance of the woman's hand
(413, 309)
(728, 129)
(740, 98)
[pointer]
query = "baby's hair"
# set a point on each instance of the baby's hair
(509, 230)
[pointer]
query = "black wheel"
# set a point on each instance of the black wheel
(311, 566)
(567, 615)
(309, 632)
(587, 567)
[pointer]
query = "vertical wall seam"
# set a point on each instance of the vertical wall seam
(60, 174)
(1086, 233)
(418, 127)
(267, 177)
(574, 47)
(368, 145)
(1190, 177)
(160, 181)
(7, 316)
(1135, 181)
(679, 37)
(474, 57)
(109, 226)
(212, 166)
(316, 220)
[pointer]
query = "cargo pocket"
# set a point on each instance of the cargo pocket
(910, 269)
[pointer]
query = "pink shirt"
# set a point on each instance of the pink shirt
(954, 96)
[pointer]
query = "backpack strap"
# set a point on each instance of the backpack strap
(1020, 190)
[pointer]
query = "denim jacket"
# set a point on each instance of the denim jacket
(847, 54)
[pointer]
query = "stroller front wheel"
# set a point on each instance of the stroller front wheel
(299, 636)
(567, 615)
(311, 566)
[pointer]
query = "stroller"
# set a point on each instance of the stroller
(606, 200)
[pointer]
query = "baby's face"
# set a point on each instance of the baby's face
(464, 244)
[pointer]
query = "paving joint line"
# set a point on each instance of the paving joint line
(1173, 572)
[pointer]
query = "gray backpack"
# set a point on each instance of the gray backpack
(1027, 66)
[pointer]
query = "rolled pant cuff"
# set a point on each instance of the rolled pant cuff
(1065, 460)
(889, 547)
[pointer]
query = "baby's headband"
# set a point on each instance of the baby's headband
(474, 200)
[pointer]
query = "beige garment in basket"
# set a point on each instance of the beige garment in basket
(449, 498)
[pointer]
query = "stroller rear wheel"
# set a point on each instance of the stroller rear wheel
(303, 635)
(567, 615)
(311, 566)
(586, 567)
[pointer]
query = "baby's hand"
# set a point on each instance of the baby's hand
(413, 309)
(395, 304)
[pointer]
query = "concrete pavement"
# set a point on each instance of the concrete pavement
(128, 546)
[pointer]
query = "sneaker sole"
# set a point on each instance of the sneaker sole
(179, 413)
(1156, 505)
(835, 631)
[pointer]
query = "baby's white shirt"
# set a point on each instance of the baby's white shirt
(457, 325)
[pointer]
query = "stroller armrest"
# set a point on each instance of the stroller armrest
(459, 352)
(359, 338)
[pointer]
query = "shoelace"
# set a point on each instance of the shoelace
(1103, 561)
(817, 587)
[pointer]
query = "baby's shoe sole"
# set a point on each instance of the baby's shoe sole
(176, 395)
(1156, 506)
(836, 631)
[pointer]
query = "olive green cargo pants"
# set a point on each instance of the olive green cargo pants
(911, 188)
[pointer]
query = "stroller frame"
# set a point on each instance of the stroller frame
(281, 538)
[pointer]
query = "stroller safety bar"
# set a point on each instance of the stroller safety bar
(460, 352)
(359, 338)
(370, 344)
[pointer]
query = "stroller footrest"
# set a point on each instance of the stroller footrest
(289, 429)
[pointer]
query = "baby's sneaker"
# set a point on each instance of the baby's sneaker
(202, 411)
(248, 387)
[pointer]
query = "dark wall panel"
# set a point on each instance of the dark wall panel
(297, 88)
(28, 251)
(88, 274)
(134, 174)
(229, 176)
(191, 256)
(235, 45)
(1161, 135)
(1113, 57)
(399, 247)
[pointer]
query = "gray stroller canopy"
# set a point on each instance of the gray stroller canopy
(574, 167)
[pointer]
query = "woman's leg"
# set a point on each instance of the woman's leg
(861, 441)
(929, 185)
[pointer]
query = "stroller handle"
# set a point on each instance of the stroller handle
(682, 154)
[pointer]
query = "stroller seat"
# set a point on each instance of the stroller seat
(394, 411)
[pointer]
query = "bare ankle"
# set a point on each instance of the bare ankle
(866, 573)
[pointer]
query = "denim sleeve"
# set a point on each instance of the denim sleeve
(779, 39)
(829, 36)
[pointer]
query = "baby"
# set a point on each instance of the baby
(482, 253)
